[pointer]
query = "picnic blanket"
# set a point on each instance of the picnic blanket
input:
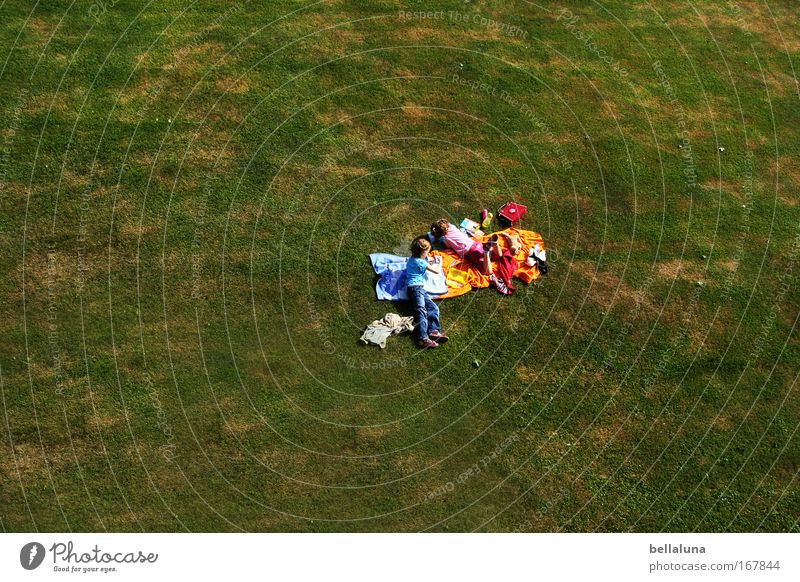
(459, 274)
(392, 284)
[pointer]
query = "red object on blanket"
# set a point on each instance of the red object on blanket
(512, 211)
(506, 267)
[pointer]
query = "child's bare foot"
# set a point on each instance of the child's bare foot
(494, 247)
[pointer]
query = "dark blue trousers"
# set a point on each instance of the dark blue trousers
(426, 312)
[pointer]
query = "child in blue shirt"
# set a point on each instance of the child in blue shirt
(426, 312)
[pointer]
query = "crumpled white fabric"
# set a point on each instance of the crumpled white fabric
(379, 330)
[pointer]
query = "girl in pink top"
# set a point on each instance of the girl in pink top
(464, 246)
(480, 255)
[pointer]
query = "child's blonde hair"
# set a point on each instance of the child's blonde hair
(419, 246)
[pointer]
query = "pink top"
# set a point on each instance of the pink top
(458, 241)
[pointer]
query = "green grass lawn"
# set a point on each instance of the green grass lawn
(189, 194)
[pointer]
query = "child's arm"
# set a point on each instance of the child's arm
(433, 239)
(436, 267)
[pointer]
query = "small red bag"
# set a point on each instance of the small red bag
(512, 211)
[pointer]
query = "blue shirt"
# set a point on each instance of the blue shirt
(415, 271)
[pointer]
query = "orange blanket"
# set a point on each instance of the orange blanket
(463, 276)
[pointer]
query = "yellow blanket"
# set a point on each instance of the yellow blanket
(463, 276)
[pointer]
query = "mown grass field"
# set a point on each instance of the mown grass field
(189, 194)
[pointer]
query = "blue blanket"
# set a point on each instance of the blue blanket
(392, 284)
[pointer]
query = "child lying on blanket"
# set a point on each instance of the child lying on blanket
(480, 254)
(460, 242)
(426, 312)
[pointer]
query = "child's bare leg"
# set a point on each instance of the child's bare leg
(490, 248)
